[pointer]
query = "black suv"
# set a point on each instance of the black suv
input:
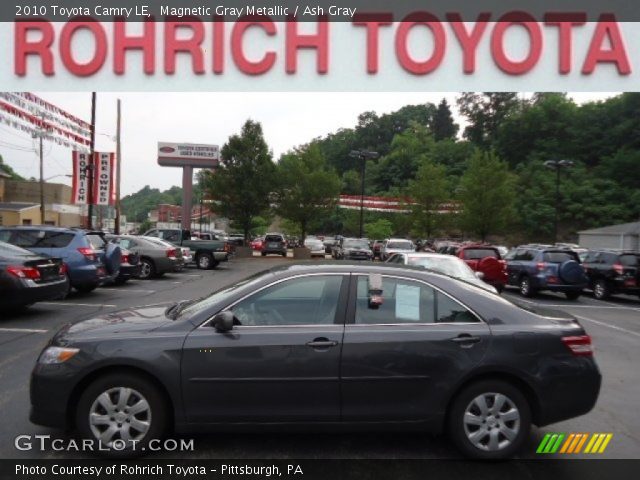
(542, 267)
(611, 271)
(274, 243)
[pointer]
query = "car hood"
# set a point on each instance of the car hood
(134, 321)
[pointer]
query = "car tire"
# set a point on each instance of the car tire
(284, 254)
(264, 254)
(572, 295)
(601, 290)
(204, 261)
(147, 269)
(86, 288)
(477, 425)
(110, 414)
(526, 290)
(499, 288)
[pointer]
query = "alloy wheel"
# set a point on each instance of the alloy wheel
(491, 422)
(120, 413)
(204, 261)
(145, 269)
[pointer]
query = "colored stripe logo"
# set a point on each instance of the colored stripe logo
(574, 443)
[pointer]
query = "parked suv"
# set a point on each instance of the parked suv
(611, 271)
(274, 243)
(90, 261)
(487, 260)
(539, 267)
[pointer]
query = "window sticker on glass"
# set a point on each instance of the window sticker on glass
(408, 302)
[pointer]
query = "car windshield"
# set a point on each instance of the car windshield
(400, 245)
(451, 266)
(356, 244)
(193, 307)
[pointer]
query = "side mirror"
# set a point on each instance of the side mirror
(223, 322)
(480, 275)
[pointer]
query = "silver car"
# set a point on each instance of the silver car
(446, 264)
(316, 246)
(396, 245)
(157, 257)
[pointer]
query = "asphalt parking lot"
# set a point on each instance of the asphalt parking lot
(614, 326)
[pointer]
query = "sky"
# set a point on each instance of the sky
(288, 120)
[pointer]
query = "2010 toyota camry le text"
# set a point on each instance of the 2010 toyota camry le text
(322, 346)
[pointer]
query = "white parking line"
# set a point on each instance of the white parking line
(127, 290)
(25, 330)
(608, 325)
(65, 304)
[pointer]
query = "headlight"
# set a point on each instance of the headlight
(56, 355)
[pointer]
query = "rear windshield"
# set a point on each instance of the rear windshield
(273, 238)
(356, 244)
(400, 245)
(629, 260)
(8, 249)
(37, 238)
(560, 257)
(479, 253)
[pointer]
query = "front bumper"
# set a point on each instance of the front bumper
(50, 391)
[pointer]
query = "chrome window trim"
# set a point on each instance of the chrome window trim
(301, 275)
(475, 314)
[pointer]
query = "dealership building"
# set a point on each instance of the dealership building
(625, 236)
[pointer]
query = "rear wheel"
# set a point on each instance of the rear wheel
(147, 269)
(499, 287)
(489, 419)
(117, 410)
(264, 254)
(526, 290)
(204, 261)
(572, 295)
(601, 290)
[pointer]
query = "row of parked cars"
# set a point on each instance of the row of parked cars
(39, 263)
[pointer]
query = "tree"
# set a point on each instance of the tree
(443, 125)
(428, 191)
(7, 169)
(243, 183)
(307, 188)
(487, 195)
(485, 112)
(380, 229)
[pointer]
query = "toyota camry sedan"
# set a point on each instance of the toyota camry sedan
(319, 346)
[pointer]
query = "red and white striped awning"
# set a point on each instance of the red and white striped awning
(385, 204)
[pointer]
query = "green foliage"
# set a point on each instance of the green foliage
(487, 195)
(443, 125)
(379, 229)
(485, 112)
(245, 179)
(138, 205)
(307, 189)
(428, 191)
(7, 169)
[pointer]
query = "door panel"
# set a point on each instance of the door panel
(402, 371)
(280, 364)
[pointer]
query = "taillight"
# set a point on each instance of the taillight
(171, 252)
(579, 345)
(63, 269)
(124, 259)
(89, 253)
(618, 268)
(227, 247)
(541, 266)
(24, 272)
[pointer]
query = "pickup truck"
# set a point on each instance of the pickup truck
(206, 253)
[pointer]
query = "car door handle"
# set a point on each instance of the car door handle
(322, 343)
(466, 340)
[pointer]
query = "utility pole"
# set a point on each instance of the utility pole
(41, 135)
(557, 165)
(90, 167)
(363, 155)
(118, 164)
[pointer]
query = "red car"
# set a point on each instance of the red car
(485, 259)
(256, 244)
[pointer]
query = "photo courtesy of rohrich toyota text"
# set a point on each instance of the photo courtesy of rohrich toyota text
(348, 239)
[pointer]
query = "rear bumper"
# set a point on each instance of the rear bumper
(541, 283)
(27, 292)
(570, 394)
(129, 271)
(221, 256)
(88, 275)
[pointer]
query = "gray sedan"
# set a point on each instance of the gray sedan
(156, 258)
(321, 346)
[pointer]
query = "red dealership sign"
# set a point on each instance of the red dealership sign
(98, 169)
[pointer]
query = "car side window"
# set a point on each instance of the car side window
(451, 311)
(171, 236)
(311, 300)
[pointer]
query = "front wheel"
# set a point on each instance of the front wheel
(489, 420)
(122, 412)
(526, 290)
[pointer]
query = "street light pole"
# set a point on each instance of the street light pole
(363, 155)
(557, 165)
